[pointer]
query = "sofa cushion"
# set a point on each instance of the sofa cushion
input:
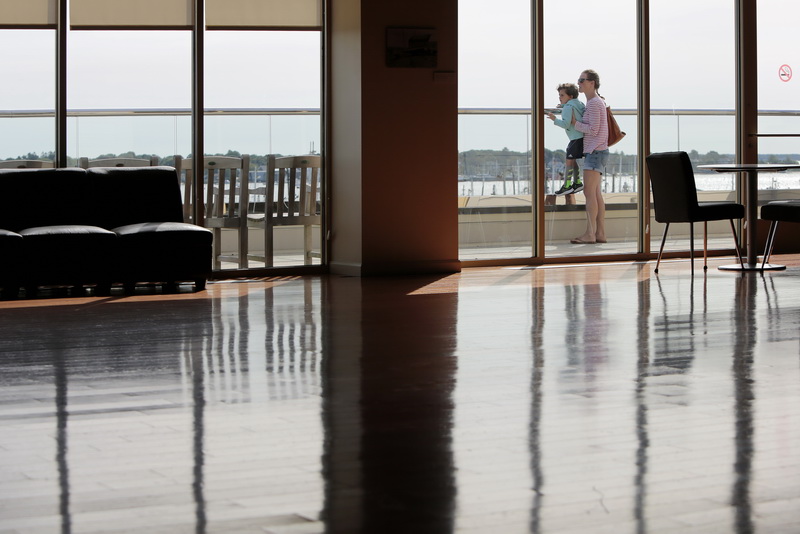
(164, 252)
(68, 254)
(10, 247)
(128, 195)
(164, 234)
(44, 197)
(68, 233)
(10, 256)
(7, 236)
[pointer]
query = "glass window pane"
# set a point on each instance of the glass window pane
(27, 117)
(693, 99)
(263, 94)
(778, 89)
(494, 184)
(567, 53)
(129, 94)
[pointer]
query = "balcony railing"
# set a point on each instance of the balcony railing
(476, 206)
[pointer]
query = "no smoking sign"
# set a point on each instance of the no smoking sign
(785, 73)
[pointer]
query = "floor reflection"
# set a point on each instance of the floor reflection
(538, 320)
(62, 439)
(744, 342)
(568, 400)
(404, 357)
(641, 421)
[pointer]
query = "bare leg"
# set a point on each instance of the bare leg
(600, 217)
(595, 208)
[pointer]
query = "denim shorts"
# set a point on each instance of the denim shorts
(595, 161)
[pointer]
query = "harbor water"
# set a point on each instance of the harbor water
(620, 183)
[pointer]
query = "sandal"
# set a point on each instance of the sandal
(579, 241)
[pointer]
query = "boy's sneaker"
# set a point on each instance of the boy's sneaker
(565, 190)
(577, 188)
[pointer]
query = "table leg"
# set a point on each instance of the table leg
(751, 230)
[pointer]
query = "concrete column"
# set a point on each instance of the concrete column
(392, 141)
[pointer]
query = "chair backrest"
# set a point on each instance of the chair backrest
(26, 164)
(86, 163)
(673, 186)
(225, 180)
(292, 188)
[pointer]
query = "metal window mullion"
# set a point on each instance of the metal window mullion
(62, 23)
(198, 131)
(643, 124)
(537, 127)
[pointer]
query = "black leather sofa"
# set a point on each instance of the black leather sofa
(97, 227)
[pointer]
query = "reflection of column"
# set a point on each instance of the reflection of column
(60, 373)
(198, 429)
(744, 340)
(341, 397)
(394, 472)
(641, 422)
(534, 436)
(214, 351)
(408, 374)
(200, 352)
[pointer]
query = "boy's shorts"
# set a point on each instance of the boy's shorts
(596, 161)
(575, 149)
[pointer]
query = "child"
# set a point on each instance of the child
(570, 107)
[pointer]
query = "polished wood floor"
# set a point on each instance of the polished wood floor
(571, 399)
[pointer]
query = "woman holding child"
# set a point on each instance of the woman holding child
(594, 125)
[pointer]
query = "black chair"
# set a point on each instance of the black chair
(675, 201)
(781, 210)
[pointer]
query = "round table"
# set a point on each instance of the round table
(751, 171)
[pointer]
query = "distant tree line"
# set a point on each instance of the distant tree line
(500, 164)
(256, 161)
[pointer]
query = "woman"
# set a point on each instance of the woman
(594, 126)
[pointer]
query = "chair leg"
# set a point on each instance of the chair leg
(736, 244)
(773, 228)
(243, 243)
(661, 250)
(217, 248)
(307, 245)
(269, 247)
(705, 245)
